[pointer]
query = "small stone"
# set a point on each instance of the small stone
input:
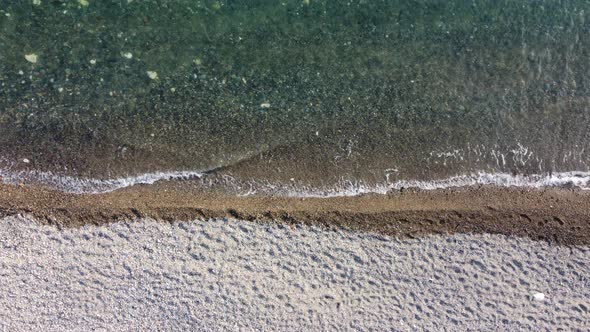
(36, 2)
(152, 74)
(60, 89)
(198, 61)
(539, 297)
(92, 61)
(84, 3)
(26, 161)
(173, 89)
(32, 58)
(265, 105)
(127, 55)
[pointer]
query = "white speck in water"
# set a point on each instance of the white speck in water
(173, 89)
(60, 89)
(36, 2)
(92, 61)
(32, 57)
(20, 72)
(26, 161)
(84, 3)
(128, 55)
(152, 74)
(539, 296)
(265, 105)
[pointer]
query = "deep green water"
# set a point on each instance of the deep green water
(319, 91)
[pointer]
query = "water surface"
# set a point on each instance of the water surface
(309, 93)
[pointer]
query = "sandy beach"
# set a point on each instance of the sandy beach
(559, 216)
(234, 275)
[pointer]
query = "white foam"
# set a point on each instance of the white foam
(78, 185)
(564, 179)
(346, 188)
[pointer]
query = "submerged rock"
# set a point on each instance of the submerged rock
(32, 57)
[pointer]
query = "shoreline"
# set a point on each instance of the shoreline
(224, 179)
(557, 216)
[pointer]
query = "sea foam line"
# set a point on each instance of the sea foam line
(78, 185)
(574, 179)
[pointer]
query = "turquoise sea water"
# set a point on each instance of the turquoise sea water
(311, 92)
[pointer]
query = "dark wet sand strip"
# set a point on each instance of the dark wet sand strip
(555, 215)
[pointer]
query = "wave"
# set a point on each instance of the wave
(70, 184)
(78, 185)
(572, 179)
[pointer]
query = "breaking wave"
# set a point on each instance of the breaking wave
(79, 185)
(579, 180)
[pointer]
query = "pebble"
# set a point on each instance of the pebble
(32, 58)
(128, 55)
(539, 297)
(36, 2)
(26, 161)
(265, 105)
(93, 61)
(84, 3)
(153, 75)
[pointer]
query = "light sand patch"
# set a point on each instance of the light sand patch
(229, 275)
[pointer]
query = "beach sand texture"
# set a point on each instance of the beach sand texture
(229, 275)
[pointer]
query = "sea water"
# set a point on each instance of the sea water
(314, 97)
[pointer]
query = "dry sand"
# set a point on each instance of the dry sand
(230, 275)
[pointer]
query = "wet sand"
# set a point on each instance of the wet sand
(555, 215)
(232, 275)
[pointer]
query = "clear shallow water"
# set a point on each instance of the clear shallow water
(312, 96)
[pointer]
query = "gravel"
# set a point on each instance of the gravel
(234, 275)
